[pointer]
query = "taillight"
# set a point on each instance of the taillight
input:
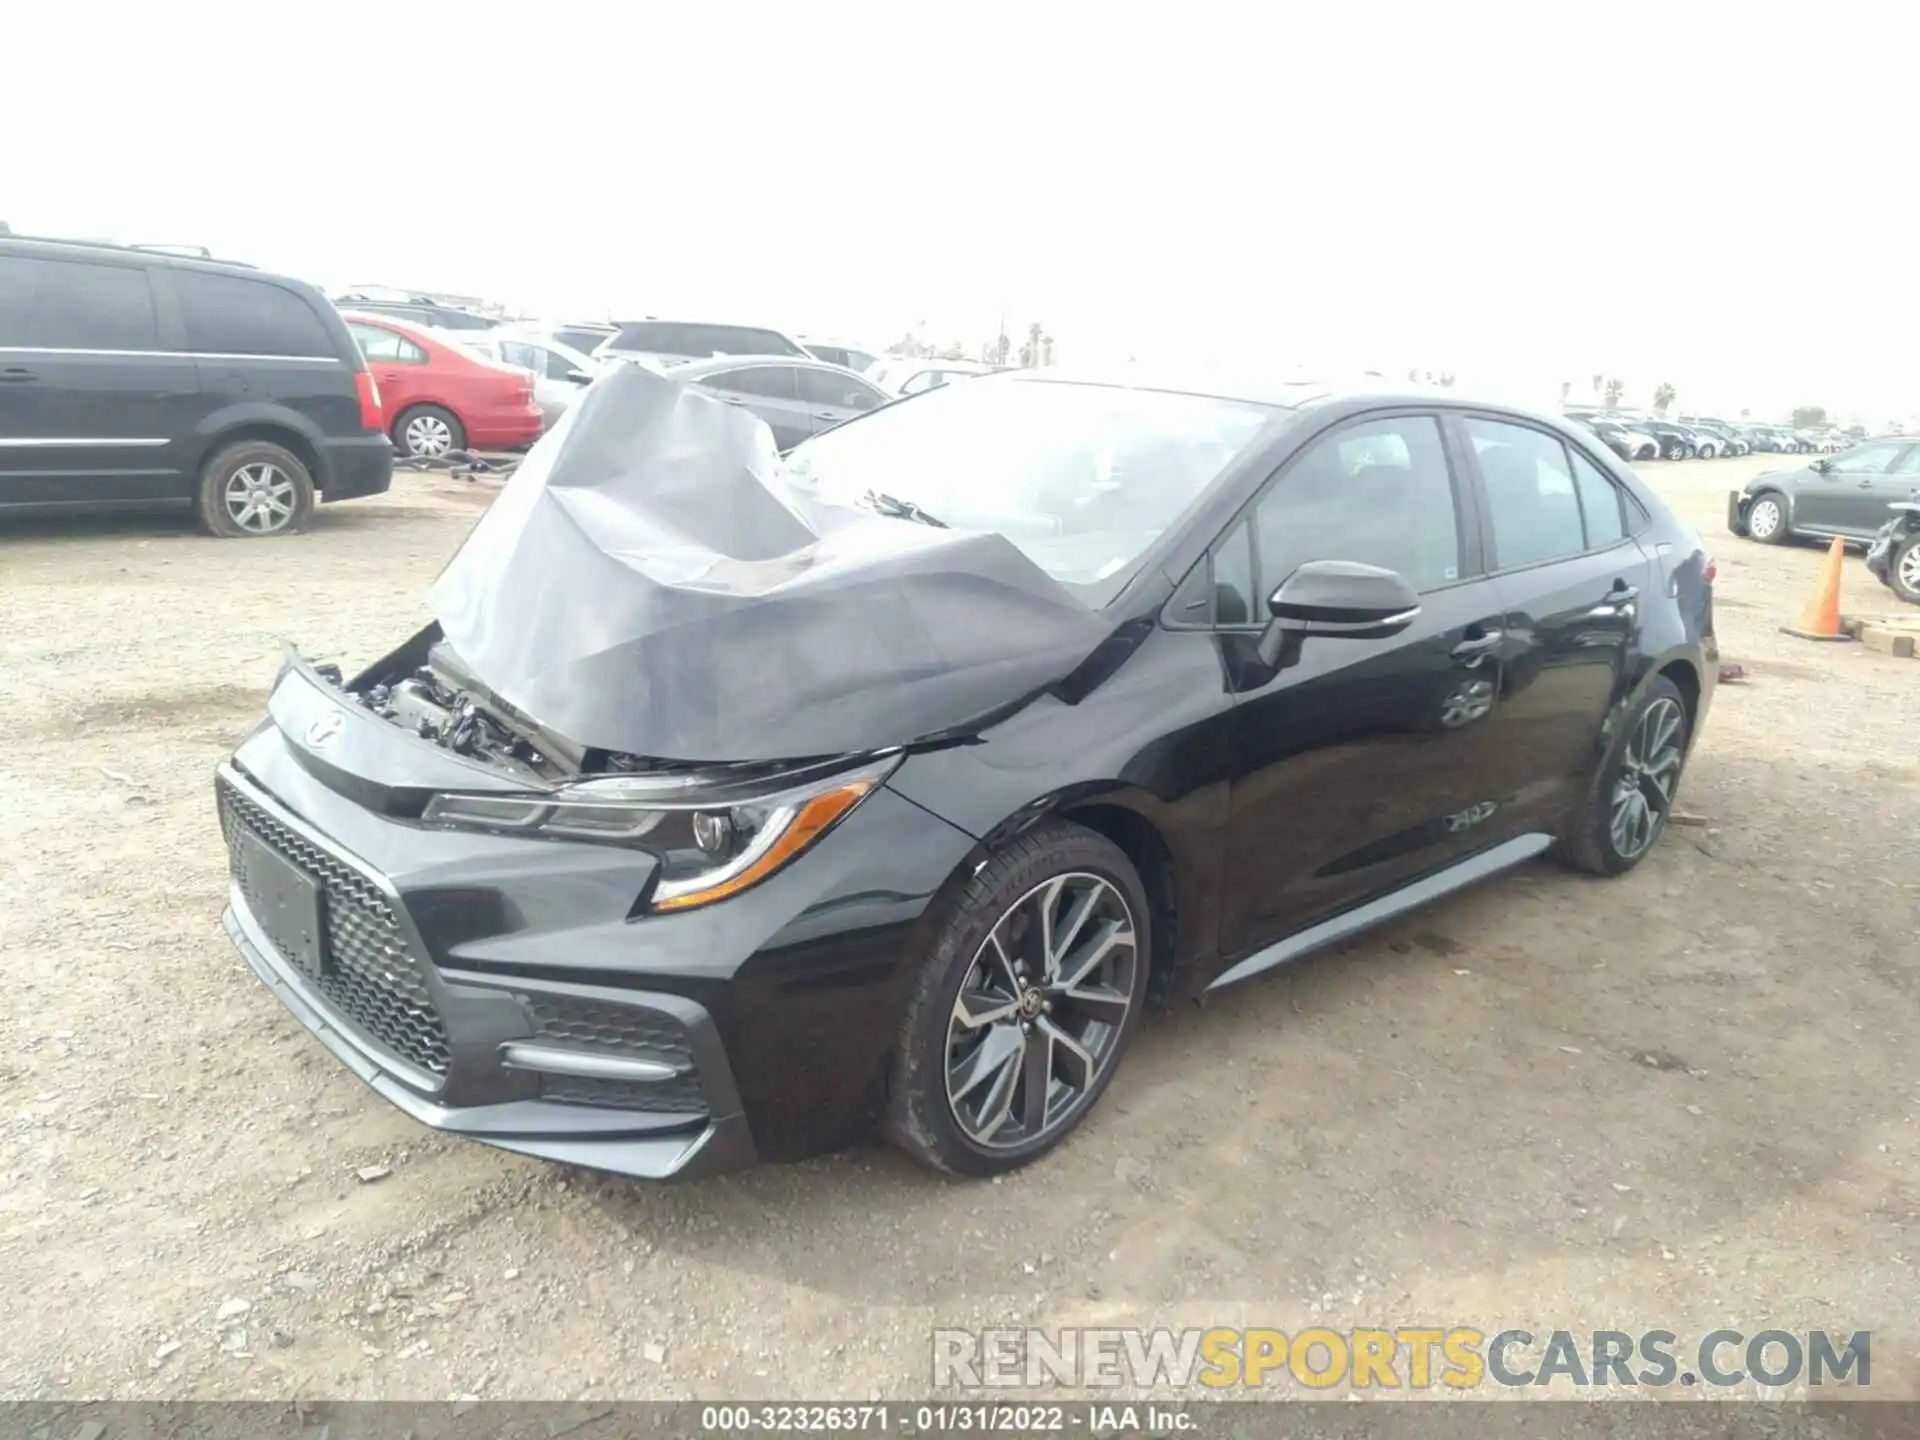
(1708, 569)
(371, 415)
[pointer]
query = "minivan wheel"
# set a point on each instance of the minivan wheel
(428, 432)
(1024, 1004)
(1767, 519)
(252, 489)
(1634, 791)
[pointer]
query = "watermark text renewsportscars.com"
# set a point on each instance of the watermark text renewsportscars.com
(1406, 1357)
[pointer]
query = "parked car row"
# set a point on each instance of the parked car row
(1845, 495)
(1693, 437)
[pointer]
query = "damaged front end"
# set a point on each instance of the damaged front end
(557, 873)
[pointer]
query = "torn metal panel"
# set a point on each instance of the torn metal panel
(650, 581)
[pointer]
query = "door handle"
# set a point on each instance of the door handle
(17, 375)
(1479, 645)
(825, 415)
(733, 399)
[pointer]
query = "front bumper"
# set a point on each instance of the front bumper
(439, 1044)
(776, 1010)
(1880, 551)
(1737, 503)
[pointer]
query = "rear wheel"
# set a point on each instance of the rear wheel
(1634, 791)
(1024, 1005)
(1767, 518)
(428, 432)
(1903, 570)
(252, 489)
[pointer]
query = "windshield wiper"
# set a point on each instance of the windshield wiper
(898, 509)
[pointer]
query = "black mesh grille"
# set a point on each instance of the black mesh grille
(679, 1096)
(625, 1030)
(371, 978)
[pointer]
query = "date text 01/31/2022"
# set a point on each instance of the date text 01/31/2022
(959, 1418)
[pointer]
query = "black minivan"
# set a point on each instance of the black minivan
(131, 379)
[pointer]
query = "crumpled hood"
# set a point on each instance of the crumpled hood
(651, 581)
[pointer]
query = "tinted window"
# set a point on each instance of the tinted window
(1909, 463)
(1599, 504)
(226, 315)
(769, 382)
(378, 343)
(832, 354)
(1378, 492)
(842, 392)
(1530, 493)
(71, 305)
(738, 340)
(581, 339)
(1868, 459)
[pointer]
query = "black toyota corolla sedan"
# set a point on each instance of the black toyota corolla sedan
(734, 806)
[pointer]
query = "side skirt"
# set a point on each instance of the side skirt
(1458, 876)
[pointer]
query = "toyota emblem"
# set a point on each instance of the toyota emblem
(325, 728)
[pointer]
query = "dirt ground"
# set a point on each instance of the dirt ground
(1674, 1100)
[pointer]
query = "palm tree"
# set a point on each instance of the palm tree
(1046, 349)
(1663, 396)
(1616, 387)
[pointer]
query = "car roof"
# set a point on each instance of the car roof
(172, 257)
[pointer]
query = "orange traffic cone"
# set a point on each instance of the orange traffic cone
(1820, 619)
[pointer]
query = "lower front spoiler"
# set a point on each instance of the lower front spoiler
(1737, 512)
(527, 1127)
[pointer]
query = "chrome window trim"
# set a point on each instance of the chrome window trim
(58, 440)
(166, 354)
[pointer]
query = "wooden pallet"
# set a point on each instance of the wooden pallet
(1889, 634)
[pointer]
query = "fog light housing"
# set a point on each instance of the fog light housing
(713, 832)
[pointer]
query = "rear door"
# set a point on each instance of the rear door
(835, 399)
(1571, 581)
(260, 343)
(398, 365)
(97, 405)
(771, 392)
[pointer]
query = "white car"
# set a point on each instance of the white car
(845, 353)
(560, 372)
(900, 376)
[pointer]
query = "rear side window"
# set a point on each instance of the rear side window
(582, 339)
(376, 342)
(842, 392)
(769, 382)
(228, 315)
(1530, 493)
(1599, 504)
(74, 305)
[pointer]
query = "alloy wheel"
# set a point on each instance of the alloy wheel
(428, 435)
(1763, 520)
(1909, 571)
(1643, 795)
(259, 497)
(1040, 1011)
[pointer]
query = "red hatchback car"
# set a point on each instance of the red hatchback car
(439, 397)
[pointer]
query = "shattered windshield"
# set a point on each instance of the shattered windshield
(1081, 478)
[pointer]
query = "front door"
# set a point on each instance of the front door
(1844, 493)
(1363, 762)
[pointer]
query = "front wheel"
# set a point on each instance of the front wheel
(1767, 519)
(1676, 451)
(1634, 791)
(1024, 1004)
(1903, 570)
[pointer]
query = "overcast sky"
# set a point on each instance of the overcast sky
(1699, 194)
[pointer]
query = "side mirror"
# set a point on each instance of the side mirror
(579, 377)
(1821, 466)
(1340, 599)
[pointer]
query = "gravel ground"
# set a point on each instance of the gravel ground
(1672, 1100)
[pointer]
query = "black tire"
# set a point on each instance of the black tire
(1675, 451)
(1590, 843)
(920, 1119)
(1780, 533)
(427, 420)
(253, 490)
(1904, 560)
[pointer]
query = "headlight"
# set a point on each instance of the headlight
(714, 836)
